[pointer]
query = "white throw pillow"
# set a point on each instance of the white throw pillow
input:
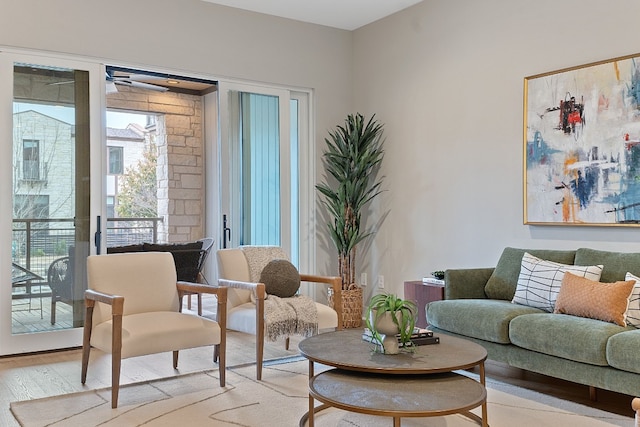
(540, 280)
(633, 310)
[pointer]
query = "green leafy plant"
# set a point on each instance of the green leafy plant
(439, 274)
(352, 159)
(403, 312)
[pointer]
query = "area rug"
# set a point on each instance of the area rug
(279, 400)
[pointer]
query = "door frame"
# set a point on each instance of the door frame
(306, 165)
(64, 338)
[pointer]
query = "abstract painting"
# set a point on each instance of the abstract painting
(582, 145)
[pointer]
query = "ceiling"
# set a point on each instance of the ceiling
(344, 14)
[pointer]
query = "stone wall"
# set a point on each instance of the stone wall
(180, 157)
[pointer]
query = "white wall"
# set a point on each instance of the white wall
(446, 77)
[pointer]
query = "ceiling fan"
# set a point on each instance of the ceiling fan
(159, 82)
(116, 77)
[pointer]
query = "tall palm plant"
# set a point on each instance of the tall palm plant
(352, 158)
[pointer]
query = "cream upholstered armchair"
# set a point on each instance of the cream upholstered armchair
(133, 308)
(246, 296)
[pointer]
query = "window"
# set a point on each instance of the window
(30, 159)
(111, 207)
(31, 206)
(116, 160)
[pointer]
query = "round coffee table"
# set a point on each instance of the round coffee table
(411, 384)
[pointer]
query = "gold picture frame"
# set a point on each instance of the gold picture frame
(582, 145)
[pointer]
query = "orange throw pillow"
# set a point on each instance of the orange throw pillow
(596, 300)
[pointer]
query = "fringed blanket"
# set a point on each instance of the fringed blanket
(290, 316)
(283, 316)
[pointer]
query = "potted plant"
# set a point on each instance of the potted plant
(352, 160)
(389, 316)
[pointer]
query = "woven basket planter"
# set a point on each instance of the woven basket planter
(351, 307)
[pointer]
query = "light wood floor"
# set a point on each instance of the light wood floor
(49, 374)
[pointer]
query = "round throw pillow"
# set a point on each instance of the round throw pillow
(280, 278)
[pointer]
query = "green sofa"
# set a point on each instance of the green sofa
(477, 306)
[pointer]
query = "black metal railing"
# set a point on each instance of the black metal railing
(36, 243)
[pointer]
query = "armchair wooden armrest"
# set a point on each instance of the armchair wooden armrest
(117, 309)
(200, 287)
(184, 288)
(335, 283)
(258, 288)
(115, 301)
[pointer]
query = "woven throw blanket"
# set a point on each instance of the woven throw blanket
(297, 315)
(290, 316)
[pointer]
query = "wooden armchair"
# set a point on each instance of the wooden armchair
(247, 316)
(133, 308)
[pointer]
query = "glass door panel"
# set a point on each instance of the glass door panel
(256, 166)
(51, 231)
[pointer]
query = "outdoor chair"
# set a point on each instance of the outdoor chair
(207, 244)
(246, 297)
(60, 280)
(133, 308)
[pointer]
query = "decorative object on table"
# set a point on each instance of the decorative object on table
(388, 316)
(582, 145)
(352, 161)
(438, 274)
(420, 336)
(437, 278)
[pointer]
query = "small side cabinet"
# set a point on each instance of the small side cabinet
(422, 293)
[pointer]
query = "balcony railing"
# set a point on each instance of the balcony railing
(37, 242)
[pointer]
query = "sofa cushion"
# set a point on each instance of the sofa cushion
(477, 318)
(633, 310)
(185, 255)
(540, 280)
(616, 264)
(582, 297)
(561, 335)
(124, 249)
(622, 351)
(503, 280)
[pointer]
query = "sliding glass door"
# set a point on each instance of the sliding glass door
(51, 181)
(264, 142)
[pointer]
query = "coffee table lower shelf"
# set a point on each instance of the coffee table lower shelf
(423, 395)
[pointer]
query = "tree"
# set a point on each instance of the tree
(138, 190)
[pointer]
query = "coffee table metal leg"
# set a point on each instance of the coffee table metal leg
(311, 400)
(485, 422)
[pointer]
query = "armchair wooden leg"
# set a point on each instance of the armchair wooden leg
(260, 329)
(86, 341)
(286, 343)
(216, 353)
(259, 355)
(116, 358)
(85, 363)
(115, 378)
(175, 359)
(220, 349)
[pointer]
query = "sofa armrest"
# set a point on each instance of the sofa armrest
(466, 283)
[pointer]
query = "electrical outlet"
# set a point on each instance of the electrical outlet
(363, 279)
(381, 281)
